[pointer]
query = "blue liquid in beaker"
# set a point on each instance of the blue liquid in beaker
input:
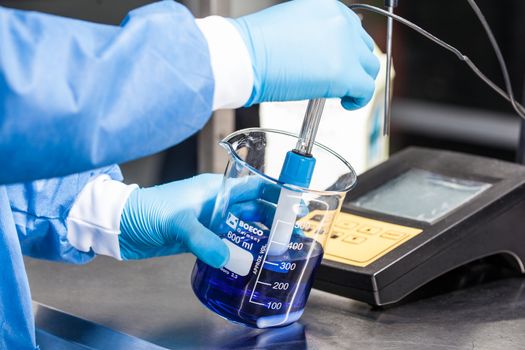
(272, 294)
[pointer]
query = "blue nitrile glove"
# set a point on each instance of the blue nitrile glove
(306, 49)
(168, 219)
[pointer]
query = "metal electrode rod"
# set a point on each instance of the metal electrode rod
(390, 4)
(310, 125)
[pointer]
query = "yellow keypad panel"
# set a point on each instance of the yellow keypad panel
(359, 241)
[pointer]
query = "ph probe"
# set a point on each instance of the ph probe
(299, 163)
(297, 170)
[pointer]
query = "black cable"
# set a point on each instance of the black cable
(497, 51)
(520, 150)
(508, 95)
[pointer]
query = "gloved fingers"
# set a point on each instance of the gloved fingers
(360, 83)
(243, 188)
(370, 64)
(130, 252)
(203, 243)
(207, 187)
(352, 103)
(201, 187)
(236, 192)
(360, 95)
(166, 250)
(270, 192)
(350, 14)
(355, 20)
(255, 211)
(207, 183)
(198, 193)
(302, 209)
(369, 42)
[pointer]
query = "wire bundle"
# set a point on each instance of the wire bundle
(508, 93)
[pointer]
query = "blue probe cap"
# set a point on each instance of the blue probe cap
(297, 169)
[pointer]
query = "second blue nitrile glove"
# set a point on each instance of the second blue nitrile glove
(306, 49)
(168, 219)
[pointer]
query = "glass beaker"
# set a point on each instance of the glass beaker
(266, 282)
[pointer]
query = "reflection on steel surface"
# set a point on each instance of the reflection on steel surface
(57, 330)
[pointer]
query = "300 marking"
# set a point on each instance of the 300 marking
(286, 266)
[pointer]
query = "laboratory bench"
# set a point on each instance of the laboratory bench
(149, 304)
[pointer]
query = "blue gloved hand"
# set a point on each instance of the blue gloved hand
(168, 219)
(307, 49)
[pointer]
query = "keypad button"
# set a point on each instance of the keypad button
(369, 230)
(354, 239)
(344, 224)
(336, 234)
(393, 235)
(317, 218)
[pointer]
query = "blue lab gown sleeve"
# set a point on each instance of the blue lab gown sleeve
(76, 95)
(40, 209)
(33, 222)
(17, 328)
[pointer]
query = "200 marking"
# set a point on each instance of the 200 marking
(280, 285)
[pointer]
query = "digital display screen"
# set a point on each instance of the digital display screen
(421, 195)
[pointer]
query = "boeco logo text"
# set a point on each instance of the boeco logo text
(234, 222)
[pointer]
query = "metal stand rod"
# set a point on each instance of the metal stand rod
(520, 151)
(388, 86)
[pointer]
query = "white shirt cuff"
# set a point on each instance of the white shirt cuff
(230, 62)
(94, 220)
